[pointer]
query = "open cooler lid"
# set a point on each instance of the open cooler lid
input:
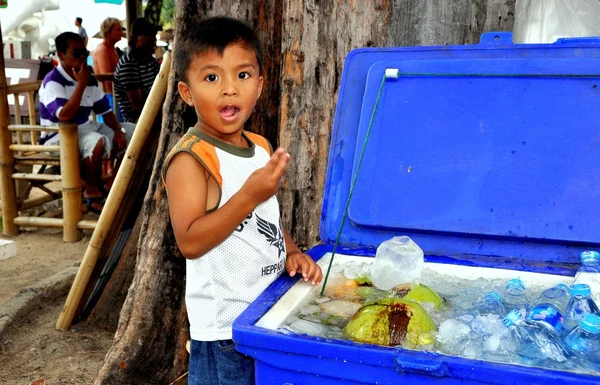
(490, 149)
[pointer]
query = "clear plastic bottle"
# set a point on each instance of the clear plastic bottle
(491, 304)
(515, 295)
(584, 339)
(579, 305)
(536, 340)
(550, 307)
(589, 272)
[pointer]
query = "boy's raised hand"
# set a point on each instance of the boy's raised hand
(299, 262)
(264, 182)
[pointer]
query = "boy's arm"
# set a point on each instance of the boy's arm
(82, 75)
(297, 261)
(197, 232)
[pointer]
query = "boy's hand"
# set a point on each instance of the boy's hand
(82, 74)
(120, 140)
(298, 262)
(264, 182)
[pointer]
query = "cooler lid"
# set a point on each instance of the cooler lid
(484, 149)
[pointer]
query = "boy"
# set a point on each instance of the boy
(221, 183)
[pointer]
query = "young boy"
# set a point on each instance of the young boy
(221, 183)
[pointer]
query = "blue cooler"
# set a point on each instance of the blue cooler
(487, 156)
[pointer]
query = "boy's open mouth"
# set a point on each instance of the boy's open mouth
(229, 113)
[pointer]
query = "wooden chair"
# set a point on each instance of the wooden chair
(20, 152)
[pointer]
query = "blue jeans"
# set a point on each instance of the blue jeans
(218, 363)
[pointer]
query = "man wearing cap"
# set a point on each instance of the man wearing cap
(69, 93)
(136, 70)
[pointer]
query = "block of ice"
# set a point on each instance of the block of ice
(398, 260)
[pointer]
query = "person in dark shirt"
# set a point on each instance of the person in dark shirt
(136, 70)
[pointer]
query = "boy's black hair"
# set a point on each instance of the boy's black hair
(79, 20)
(62, 40)
(215, 33)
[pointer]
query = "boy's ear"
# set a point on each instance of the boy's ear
(185, 93)
(260, 86)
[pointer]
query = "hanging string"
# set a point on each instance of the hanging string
(345, 214)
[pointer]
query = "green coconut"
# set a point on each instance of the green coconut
(416, 293)
(389, 321)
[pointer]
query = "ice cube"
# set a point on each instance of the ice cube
(341, 308)
(398, 260)
(473, 349)
(310, 328)
(451, 331)
(492, 343)
(310, 309)
(322, 300)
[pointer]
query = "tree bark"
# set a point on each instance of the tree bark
(305, 46)
(152, 11)
(317, 36)
(149, 346)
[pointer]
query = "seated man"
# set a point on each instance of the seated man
(136, 70)
(69, 93)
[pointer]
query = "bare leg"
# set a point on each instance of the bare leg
(93, 172)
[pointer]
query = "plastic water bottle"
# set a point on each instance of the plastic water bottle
(550, 306)
(515, 296)
(579, 305)
(584, 339)
(536, 340)
(491, 304)
(589, 272)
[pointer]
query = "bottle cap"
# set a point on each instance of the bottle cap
(590, 323)
(494, 296)
(515, 282)
(589, 256)
(580, 289)
(512, 317)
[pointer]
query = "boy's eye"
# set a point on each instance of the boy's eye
(244, 75)
(211, 78)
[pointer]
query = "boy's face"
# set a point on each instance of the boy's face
(223, 89)
(75, 55)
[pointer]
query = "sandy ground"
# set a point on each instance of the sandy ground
(31, 348)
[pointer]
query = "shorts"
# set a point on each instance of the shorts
(91, 132)
(217, 362)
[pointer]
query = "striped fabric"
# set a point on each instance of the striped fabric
(57, 88)
(133, 73)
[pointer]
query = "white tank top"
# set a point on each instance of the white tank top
(224, 281)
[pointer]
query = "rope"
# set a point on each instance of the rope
(345, 214)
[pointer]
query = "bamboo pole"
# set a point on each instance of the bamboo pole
(39, 222)
(7, 184)
(34, 202)
(30, 127)
(87, 225)
(39, 162)
(23, 87)
(34, 147)
(40, 177)
(117, 192)
(18, 120)
(32, 118)
(71, 181)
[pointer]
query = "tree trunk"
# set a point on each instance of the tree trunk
(149, 346)
(317, 36)
(152, 11)
(307, 41)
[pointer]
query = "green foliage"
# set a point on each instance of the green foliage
(167, 14)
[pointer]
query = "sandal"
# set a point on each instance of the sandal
(90, 201)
